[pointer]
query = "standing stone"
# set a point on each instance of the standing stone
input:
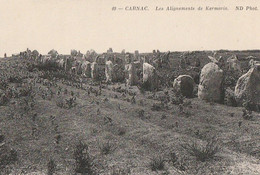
(211, 83)
(252, 63)
(68, 63)
(94, 71)
(53, 53)
(79, 69)
(35, 54)
(86, 69)
(79, 54)
(128, 59)
(182, 63)
(150, 77)
(61, 63)
(131, 74)
(110, 50)
(248, 86)
(184, 84)
(100, 60)
(136, 54)
(234, 63)
(109, 71)
(73, 52)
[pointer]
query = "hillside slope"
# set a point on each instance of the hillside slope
(138, 129)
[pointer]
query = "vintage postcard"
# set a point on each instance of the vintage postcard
(140, 87)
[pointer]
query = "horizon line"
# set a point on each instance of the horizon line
(214, 50)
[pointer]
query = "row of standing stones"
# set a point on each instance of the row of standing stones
(211, 85)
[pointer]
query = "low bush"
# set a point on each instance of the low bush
(66, 103)
(51, 167)
(230, 99)
(107, 148)
(157, 107)
(121, 131)
(177, 99)
(140, 113)
(25, 91)
(176, 162)
(143, 87)
(84, 163)
(157, 163)
(3, 84)
(49, 66)
(4, 99)
(173, 158)
(120, 171)
(247, 115)
(201, 152)
(251, 106)
(7, 156)
(15, 79)
(71, 102)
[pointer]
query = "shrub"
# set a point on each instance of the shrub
(60, 103)
(181, 165)
(195, 91)
(230, 99)
(173, 158)
(231, 78)
(141, 114)
(107, 148)
(48, 66)
(15, 79)
(13, 156)
(120, 171)
(202, 153)
(84, 163)
(156, 107)
(2, 138)
(143, 87)
(3, 99)
(3, 84)
(121, 131)
(247, 115)
(66, 103)
(26, 91)
(177, 99)
(58, 137)
(71, 102)
(250, 106)
(51, 167)
(157, 163)
(7, 156)
(56, 73)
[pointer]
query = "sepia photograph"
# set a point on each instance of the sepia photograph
(129, 87)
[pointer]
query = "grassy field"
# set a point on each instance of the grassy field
(125, 135)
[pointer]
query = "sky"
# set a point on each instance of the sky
(91, 24)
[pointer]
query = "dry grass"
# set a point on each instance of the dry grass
(136, 131)
(107, 147)
(157, 163)
(83, 162)
(203, 152)
(51, 167)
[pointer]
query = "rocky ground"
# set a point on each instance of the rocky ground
(46, 115)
